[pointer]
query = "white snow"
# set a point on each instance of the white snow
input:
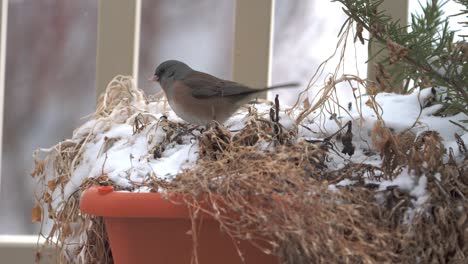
(180, 157)
(420, 191)
(126, 157)
(111, 147)
(399, 112)
(345, 182)
(405, 181)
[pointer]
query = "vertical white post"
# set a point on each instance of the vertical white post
(398, 11)
(253, 41)
(3, 36)
(118, 40)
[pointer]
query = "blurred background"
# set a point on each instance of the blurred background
(51, 64)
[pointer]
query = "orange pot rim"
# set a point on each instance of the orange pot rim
(103, 201)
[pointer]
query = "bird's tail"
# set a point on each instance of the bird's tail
(283, 85)
(254, 92)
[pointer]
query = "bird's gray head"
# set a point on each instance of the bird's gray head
(171, 70)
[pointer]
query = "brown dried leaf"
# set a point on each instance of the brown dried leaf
(396, 51)
(359, 30)
(51, 211)
(52, 184)
(347, 140)
(66, 230)
(460, 143)
(38, 257)
(38, 168)
(372, 89)
(62, 179)
(306, 103)
(36, 214)
(47, 197)
(383, 78)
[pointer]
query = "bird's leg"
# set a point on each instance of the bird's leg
(193, 128)
(182, 131)
(213, 113)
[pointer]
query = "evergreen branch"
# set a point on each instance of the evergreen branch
(426, 54)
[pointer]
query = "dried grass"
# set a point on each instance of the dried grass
(279, 202)
(265, 185)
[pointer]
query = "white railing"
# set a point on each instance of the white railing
(117, 53)
(118, 40)
(3, 30)
(399, 12)
(253, 42)
(22, 249)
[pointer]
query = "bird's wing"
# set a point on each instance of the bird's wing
(204, 85)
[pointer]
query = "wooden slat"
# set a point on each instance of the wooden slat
(3, 36)
(118, 40)
(22, 249)
(253, 42)
(398, 10)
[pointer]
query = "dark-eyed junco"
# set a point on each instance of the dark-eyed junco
(198, 97)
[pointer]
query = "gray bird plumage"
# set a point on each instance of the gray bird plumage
(184, 86)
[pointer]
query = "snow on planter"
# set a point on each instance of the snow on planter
(137, 144)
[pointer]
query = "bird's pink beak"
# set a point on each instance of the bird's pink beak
(154, 78)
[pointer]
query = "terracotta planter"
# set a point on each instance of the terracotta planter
(144, 228)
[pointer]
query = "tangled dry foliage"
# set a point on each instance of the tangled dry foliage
(282, 199)
(77, 237)
(276, 186)
(266, 184)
